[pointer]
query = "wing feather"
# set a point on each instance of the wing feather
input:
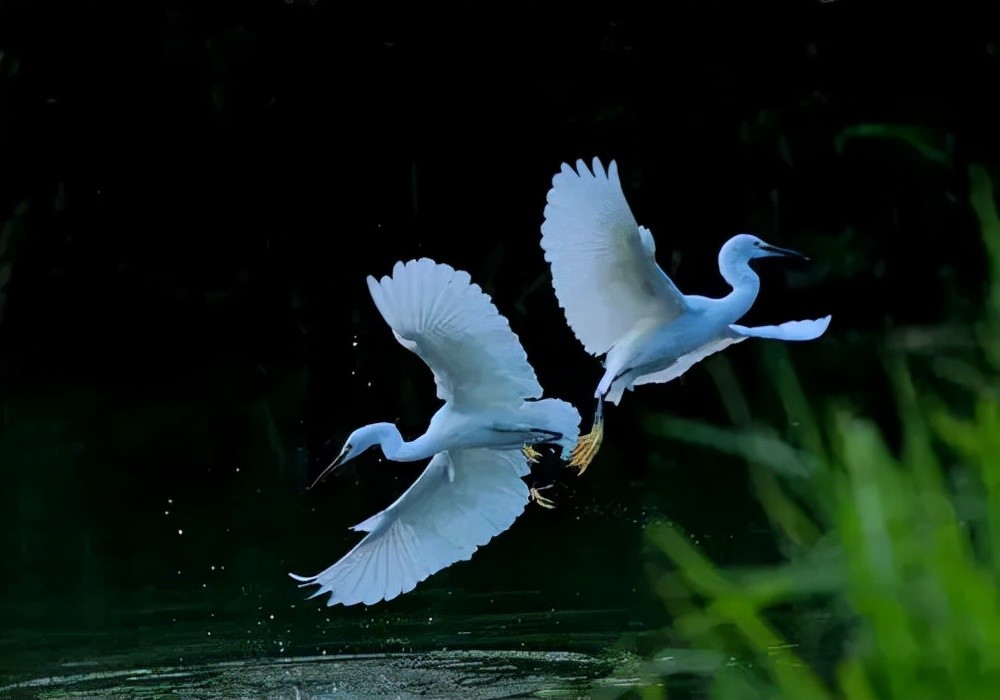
(682, 365)
(437, 522)
(789, 330)
(452, 325)
(604, 269)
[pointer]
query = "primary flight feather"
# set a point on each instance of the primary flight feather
(479, 442)
(621, 304)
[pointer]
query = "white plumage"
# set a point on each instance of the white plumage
(621, 304)
(471, 491)
(603, 263)
(443, 317)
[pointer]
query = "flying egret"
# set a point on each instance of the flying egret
(479, 441)
(619, 302)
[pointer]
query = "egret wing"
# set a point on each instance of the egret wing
(789, 330)
(447, 320)
(684, 363)
(603, 263)
(463, 499)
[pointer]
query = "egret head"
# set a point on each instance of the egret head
(356, 443)
(347, 452)
(359, 441)
(744, 247)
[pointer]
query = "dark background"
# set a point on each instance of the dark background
(193, 194)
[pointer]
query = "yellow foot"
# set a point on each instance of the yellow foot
(540, 499)
(586, 448)
(531, 453)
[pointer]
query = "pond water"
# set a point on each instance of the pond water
(147, 545)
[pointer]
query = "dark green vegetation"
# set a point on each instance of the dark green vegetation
(890, 581)
(191, 197)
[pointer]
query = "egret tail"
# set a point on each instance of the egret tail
(557, 416)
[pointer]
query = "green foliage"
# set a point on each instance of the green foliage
(926, 141)
(892, 550)
(984, 205)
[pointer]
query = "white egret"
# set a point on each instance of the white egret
(479, 440)
(619, 302)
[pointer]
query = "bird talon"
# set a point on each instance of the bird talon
(586, 448)
(540, 499)
(531, 453)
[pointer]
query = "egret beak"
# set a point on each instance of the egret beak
(775, 250)
(341, 458)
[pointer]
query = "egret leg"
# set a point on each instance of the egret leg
(531, 453)
(539, 498)
(587, 446)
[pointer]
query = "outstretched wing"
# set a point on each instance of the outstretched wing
(685, 362)
(446, 319)
(463, 499)
(604, 269)
(789, 330)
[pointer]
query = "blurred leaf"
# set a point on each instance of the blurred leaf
(926, 141)
(673, 661)
(983, 203)
(904, 549)
(751, 444)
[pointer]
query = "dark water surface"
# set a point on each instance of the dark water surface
(474, 674)
(125, 569)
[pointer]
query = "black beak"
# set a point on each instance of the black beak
(340, 460)
(333, 466)
(783, 251)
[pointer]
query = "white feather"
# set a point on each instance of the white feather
(556, 415)
(682, 365)
(438, 521)
(452, 325)
(789, 330)
(604, 271)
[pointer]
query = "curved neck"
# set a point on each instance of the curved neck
(741, 277)
(387, 436)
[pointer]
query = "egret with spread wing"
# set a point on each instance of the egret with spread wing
(479, 441)
(619, 302)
